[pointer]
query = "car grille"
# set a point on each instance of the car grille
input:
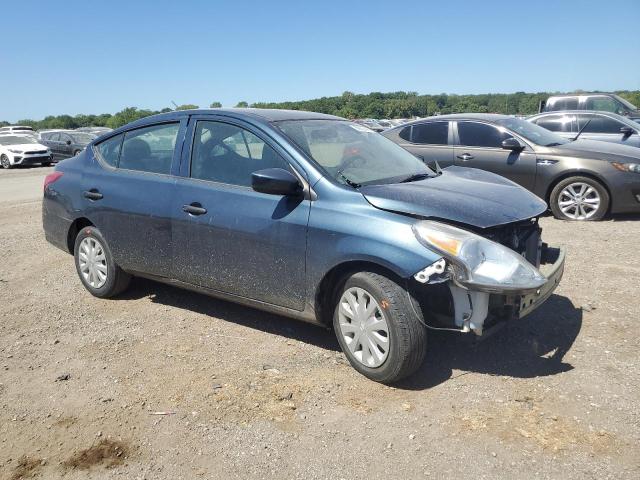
(37, 152)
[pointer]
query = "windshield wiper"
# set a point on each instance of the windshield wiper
(415, 177)
(351, 183)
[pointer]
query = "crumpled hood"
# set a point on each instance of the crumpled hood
(462, 195)
(599, 150)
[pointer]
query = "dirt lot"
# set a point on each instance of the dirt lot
(254, 395)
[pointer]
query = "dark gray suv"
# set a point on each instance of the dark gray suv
(580, 180)
(606, 102)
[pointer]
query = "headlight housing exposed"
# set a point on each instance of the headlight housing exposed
(627, 167)
(479, 263)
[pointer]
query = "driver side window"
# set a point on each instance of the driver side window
(226, 153)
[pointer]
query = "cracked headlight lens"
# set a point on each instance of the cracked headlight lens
(481, 262)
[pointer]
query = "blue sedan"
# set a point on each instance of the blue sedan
(305, 215)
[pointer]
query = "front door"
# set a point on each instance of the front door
(479, 145)
(228, 237)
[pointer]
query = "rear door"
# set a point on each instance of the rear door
(239, 241)
(129, 193)
(479, 145)
(429, 141)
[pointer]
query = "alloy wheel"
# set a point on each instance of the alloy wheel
(363, 327)
(5, 161)
(579, 201)
(92, 262)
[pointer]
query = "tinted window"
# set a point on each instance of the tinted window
(480, 135)
(405, 133)
(563, 103)
(149, 149)
(606, 104)
(229, 154)
(109, 150)
(599, 124)
(557, 123)
(434, 133)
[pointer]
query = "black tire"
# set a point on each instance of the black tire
(77, 152)
(5, 162)
(600, 212)
(117, 280)
(407, 335)
(46, 164)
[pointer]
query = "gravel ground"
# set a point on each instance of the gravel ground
(253, 395)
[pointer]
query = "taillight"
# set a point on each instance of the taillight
(52, 177)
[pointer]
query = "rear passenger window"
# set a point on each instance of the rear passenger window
(227, 153)
(109, 150)
(563, 103)
(480, 135)
(149, 149)
(557, 123)
(433, 133)
(405, 133)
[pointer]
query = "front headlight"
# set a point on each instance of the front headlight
(627, 167)
(479, 262)
(15, 151)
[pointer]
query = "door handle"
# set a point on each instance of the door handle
(194, 209)
(465, 156)
(92, 194)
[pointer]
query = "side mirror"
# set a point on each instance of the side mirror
(275, 181)
(626, 131)
(512, 144)
(68, 142)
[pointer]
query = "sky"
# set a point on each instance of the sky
(95, 57)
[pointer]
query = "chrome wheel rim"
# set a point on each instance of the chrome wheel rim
(579, 201)
(363, 327)
(92, 262)
(5, 162)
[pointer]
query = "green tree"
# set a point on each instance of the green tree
(215, 105)
(242, 104)
(187, 106)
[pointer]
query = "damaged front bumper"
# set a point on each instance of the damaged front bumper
(477, 310)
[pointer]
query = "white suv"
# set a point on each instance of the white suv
(22, 150)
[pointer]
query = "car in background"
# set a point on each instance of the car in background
(580, 180)
(606, 102)
(66, 143)
(586, 125)
(97, 131)
(16, 129)
(22, 150)
(385, 124)
(370, 123)
(306, 215)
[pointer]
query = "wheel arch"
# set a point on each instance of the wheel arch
(333, 280)
(77, 225)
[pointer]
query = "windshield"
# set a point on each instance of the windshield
(532, 132)
(82, 137)
(352, 154)
(626, 103)
(15, 140)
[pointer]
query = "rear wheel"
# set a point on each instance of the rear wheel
(5, 162)
(579, 198)
(77, 152)
(95, 265)
(378, 329)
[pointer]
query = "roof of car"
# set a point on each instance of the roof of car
(489, 117)
(264, 114)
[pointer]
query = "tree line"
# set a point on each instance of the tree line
(348, 105)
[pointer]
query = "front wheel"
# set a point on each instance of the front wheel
(5, 162)
(378, 328)
(95, 265)
(579, 198)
